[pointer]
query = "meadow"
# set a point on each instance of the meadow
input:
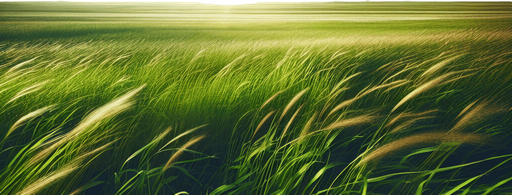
(269, 98)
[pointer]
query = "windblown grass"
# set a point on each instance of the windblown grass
(294, 104)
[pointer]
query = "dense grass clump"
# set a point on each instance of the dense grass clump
(256, 99)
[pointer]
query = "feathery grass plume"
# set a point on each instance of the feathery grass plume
(292, 102)
(418, 139)
(335, 88)
(16, 67)
(404, 115)
(386, 65)
(366, 92)
(101, 148)
(477, 114)
(422, 89)
(308, 125)
(28, 90)
(180, 151)
(290, 122)
(397, 82)
(351, 122)
(342, 105)
(466, 109)
(398, 73)
(110, 109)
(458, 78)
(409, 123)
(305, 129)
(48, 179)
(18, 57)
(441, 64)
(262, 122)
(404, 125)
(28, 117)
(270, 99)
(397, 85)
(331, 97)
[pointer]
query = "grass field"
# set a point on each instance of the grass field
(304, 98)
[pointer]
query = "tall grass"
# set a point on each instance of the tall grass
(281, 114)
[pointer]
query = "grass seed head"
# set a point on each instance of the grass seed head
(418, 139)
(180, 151)
(440, 65)
(28, 90)
(477, 114)
(291, 121)
(45, 181)
(270, 99)
(409, 123)
(405, 115)
(292, 102)
(352, 122)
(28, 117)
(110, 109)
(262, 122)
(342, 105)
(422, 89)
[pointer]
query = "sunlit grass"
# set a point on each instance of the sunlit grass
(288, 107)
